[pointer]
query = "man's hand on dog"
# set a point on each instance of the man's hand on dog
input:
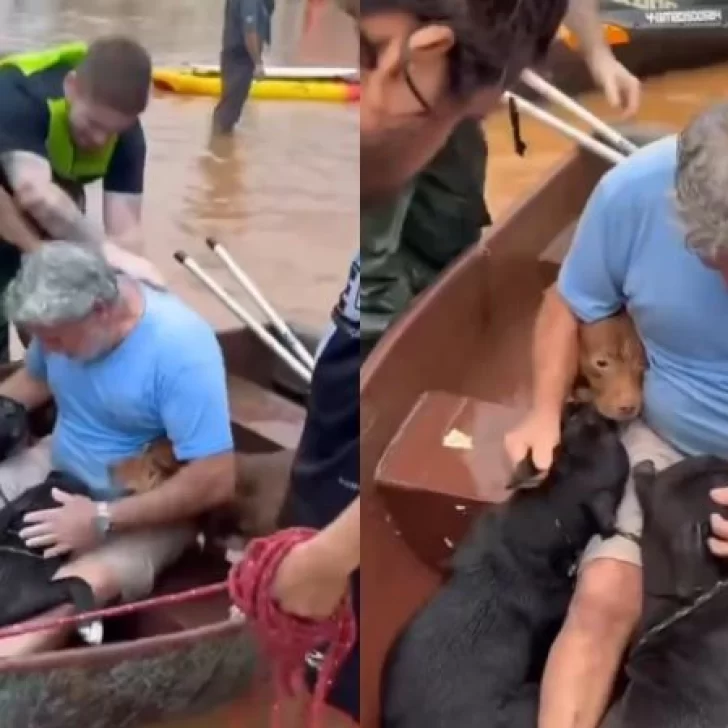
(59, 531)
(539, 433)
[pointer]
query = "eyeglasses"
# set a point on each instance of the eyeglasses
(370, 51)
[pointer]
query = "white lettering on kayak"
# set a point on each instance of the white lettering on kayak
(714, 16)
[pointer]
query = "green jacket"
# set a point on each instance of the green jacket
(407, 243)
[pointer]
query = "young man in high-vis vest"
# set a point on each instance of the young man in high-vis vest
(69, 117)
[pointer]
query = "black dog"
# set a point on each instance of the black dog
(678, 667)
(473, 657)
(26, 578)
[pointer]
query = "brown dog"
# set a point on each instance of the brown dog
(612, 361)
(261, 483)
(145, 472)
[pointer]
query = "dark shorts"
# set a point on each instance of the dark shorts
(325, 474)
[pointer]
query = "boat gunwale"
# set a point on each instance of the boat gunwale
(382, 415)
(483, 248)
(88, 657)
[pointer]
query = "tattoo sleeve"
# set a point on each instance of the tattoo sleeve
(31, 179)
(14, 228)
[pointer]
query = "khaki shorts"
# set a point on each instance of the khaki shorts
(641, 444)
(135, 559)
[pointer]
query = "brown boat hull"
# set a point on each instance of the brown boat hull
(159, 679)
(458, 360)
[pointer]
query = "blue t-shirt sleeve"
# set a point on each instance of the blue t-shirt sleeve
(592, 276)
(35, 361)
(194, 401)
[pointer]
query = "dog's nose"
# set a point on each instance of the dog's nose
(627, 410)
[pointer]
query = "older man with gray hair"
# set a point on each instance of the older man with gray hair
(126, 363)
(654, 239)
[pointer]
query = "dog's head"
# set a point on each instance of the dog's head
(612, 361)
(587, 478)
(14, 427)
(145, 472)
(676, 504)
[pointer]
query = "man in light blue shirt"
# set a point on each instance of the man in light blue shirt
(125, 364)
(654, 239)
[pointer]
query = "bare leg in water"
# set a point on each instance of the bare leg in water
(586, 656)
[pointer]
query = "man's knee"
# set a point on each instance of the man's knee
(608, 599)
(128, 565)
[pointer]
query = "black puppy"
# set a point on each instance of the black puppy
(473, 656)
(678, 667)
(26, 578)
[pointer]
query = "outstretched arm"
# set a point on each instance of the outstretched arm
(620, 87)
(313, 578)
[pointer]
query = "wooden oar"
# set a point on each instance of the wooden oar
(245, 316)
(593, 145)
(247, 284)
(555, 96)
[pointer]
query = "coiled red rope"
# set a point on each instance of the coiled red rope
(289, 639)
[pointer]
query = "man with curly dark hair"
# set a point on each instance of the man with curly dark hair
(409, 239)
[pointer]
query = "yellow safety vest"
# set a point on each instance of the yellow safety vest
(67, 162)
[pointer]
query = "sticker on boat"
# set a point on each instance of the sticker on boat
(457, 440)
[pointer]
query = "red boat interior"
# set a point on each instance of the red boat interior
(438, 395)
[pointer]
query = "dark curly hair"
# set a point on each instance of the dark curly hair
(495, 39)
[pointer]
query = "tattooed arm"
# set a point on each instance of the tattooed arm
(31, 179)
(14, 228)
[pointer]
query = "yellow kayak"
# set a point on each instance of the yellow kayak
(191, 82)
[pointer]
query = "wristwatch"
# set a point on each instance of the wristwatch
(103, 519)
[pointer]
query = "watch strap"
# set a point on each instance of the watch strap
(103, 519)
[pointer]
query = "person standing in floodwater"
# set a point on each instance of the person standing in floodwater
(246, 30)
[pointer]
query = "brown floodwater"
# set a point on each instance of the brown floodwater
(283, 194)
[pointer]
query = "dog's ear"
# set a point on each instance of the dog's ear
(525, 475)
(604, 509)
(643, 475)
